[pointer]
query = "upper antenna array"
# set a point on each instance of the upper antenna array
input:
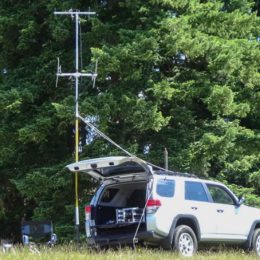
(77, 74)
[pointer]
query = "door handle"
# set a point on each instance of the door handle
(220, 210)
(194, 208)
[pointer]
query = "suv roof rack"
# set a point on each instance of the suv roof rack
(171, 173)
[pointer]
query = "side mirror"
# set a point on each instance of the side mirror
(241, 200)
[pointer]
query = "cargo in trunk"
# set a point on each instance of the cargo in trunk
(120, 208)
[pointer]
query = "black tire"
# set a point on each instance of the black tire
(256, 242)
(185, 241)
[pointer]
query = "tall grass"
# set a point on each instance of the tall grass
(71, 252)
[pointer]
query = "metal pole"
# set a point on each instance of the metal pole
(77, 43)
(166, 165)
(77, 130)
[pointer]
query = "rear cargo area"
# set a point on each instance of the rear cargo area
(119, 209)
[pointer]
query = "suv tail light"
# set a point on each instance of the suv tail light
(152, 206)
(88, 212)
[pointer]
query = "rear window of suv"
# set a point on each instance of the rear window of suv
(165, 188)
(109, 194)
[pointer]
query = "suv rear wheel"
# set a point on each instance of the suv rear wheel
(185, 241)
(256, 241)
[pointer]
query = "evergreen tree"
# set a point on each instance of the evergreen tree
(177, 74)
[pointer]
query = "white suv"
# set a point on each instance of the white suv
(136, 203)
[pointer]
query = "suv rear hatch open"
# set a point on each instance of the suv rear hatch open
(117, 209)
(119, 167)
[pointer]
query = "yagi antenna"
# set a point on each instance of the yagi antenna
(75, 75)
(95, 74)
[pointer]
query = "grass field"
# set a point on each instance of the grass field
(70, 252)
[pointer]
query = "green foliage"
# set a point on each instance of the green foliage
(177, 74)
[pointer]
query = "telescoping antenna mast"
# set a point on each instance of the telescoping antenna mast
(76, 75)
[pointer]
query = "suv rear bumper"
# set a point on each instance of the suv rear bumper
(122, 239)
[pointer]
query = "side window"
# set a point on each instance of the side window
(195, 191)
(220, 195)
(165, 188)
(109, 194)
